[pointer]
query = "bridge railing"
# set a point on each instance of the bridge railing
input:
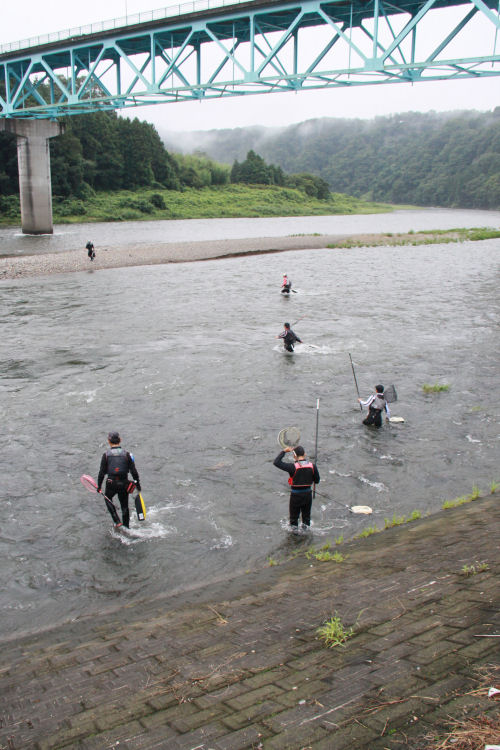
(118, 23)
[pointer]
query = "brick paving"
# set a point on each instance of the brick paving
(239, 665)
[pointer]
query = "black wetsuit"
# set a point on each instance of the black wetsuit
(90, 250)
(117, 463)
(300, 492)
(289, 339)
(285, 288)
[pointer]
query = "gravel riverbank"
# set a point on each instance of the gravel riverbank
(151, 254)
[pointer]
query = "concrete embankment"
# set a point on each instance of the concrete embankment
(238, 664)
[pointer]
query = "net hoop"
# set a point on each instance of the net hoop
(396, 420)
(390, 394)
(88, 483)
(364, 509)
(289, 437)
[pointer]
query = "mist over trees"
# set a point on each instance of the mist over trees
(103, 152)
(426, 159)
(429, 159)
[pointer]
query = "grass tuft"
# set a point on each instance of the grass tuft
(474, 495)
(367, 532)
(333, 633)
(323, 554)
(472, 570)
(436, 388)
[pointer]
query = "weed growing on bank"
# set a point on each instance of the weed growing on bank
(472, 570)
(323, 554)
(436, 388)
(333, 633)
(474, 495)
(389, 523)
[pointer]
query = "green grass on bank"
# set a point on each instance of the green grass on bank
(225, 201)
(422, 237)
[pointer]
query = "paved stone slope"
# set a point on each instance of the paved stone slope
(238, 665)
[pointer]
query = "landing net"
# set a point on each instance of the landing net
(289, 437)
(88, 483)
(390, 394)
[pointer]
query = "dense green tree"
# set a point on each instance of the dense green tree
(100, 151)
(9, 180)
(253, 171)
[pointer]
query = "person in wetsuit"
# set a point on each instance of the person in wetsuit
(90, 250)
(286, 286)
(289, 337)
(116, 463)
(303, 473)
(376, 404)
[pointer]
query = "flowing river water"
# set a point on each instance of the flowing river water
(182, 359)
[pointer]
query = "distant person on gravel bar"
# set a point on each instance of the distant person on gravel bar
(90, 250)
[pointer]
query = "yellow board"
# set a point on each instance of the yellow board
(140, 507)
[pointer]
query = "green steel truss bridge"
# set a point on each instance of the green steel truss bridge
(208, 50)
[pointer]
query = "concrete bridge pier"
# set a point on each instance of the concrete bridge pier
(33, 162)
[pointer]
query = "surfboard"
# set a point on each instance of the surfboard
(140, 507)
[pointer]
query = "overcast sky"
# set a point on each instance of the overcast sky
(33, 17)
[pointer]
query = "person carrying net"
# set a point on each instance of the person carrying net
(376, 404)
(116, 463)
(303, 473)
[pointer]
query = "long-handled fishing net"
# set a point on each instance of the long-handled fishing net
(91, 485)
(355, 380)
(289, 437)
(360, 509)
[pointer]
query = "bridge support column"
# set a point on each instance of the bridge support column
(33, 163)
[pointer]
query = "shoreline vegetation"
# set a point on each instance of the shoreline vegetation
(16, 267)
(422, 237)
(231, 201)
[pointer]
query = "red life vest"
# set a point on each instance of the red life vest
(299, 466)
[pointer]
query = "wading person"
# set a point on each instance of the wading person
(116, 463)
(376, 404)
(289, 337)
(286, 286)
(90, 250)
(303, 473)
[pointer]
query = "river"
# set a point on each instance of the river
(117, 234)
(182, 359)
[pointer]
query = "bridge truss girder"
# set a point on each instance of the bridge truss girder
(255, 48)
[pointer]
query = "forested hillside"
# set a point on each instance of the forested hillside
(102, 152)
(430, 159)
